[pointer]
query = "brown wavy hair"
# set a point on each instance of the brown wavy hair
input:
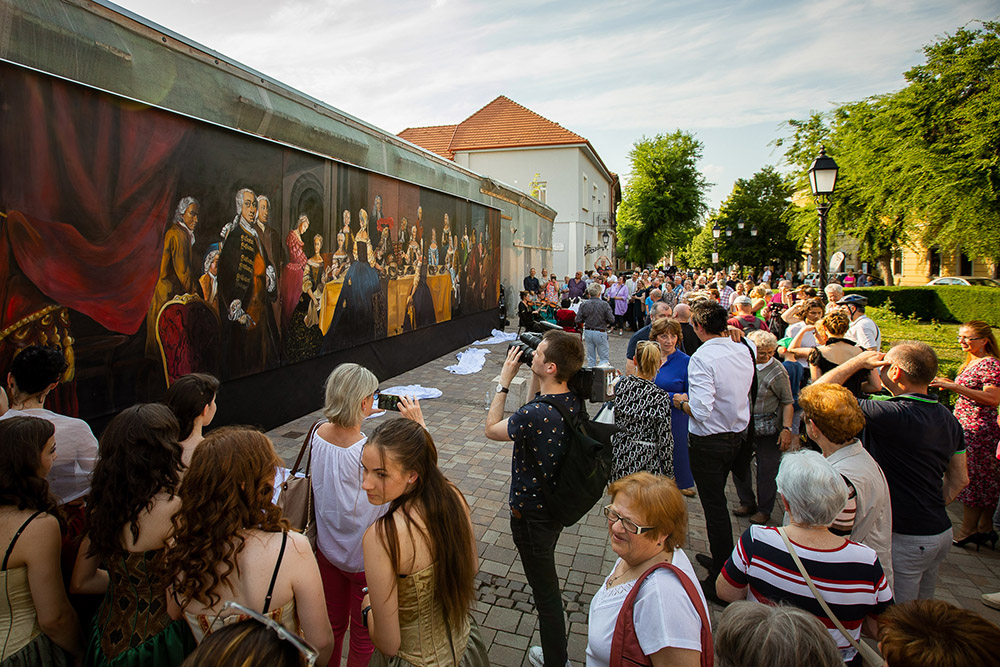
(227, 490)
(449, 536)
(22, 440)
(981, 330)
(139, 457)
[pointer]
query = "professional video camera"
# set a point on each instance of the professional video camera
(591, 383)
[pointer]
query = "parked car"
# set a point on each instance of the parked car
(965, 280)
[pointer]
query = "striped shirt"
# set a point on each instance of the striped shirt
(849, 578)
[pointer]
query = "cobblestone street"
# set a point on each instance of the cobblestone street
(481, 469)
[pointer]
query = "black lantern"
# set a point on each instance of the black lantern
(716, 230)
(729, 231)
(740, 224)
(606, 238)
(822, 180)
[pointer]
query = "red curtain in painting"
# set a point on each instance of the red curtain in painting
(87, 183)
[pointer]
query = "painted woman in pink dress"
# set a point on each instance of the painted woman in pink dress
(291, 277)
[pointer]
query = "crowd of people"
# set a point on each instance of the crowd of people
(163, 542)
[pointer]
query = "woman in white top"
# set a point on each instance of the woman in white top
(231, 544)
(647, 523)
(343, 512)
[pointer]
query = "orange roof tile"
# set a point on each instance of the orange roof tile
(502, 123)
(435, 138)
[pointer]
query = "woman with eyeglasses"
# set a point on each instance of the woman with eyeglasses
(133, 495)
(642, 413)
(978, 387)
(647, 524)
(38, 624)
(231, 544)
(420, 556)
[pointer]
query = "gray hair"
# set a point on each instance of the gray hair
(750, 634)
(346, 387)
(660, 309)
(812, 487)
(182, 207)
(239, 200)
(594, 289)
(835, 288)
(763, 339)
(212, 254)
(261, 198)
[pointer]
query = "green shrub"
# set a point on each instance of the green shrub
(943, 303)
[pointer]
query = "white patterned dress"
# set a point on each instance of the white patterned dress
(642, 412)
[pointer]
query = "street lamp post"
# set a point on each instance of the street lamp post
(822, 180)
(716, 231)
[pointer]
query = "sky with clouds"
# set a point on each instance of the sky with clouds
(730, 72)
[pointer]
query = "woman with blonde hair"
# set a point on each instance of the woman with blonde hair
(227, 534)
(343, 513)
(833, 350)
(420, 556)
(642, 413)
(978, 389)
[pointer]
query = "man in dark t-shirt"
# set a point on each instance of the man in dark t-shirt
(920, 447)
(540, 440)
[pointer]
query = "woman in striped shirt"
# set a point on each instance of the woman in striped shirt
(848, 575)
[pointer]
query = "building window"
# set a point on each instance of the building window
(585, 195)
(965, 265)
(897, 263)
(596, 201)
(934, 262)
(538, 191)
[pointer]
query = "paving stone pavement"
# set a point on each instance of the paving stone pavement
(481, 469)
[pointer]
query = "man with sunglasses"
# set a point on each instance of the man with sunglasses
(920, 447)
(863, 330)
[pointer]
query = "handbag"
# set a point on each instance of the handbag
(869, 656)
(625, 649)
(765, 423)
(295, 497)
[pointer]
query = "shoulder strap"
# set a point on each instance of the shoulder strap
(625, 627)
(13, 541)
(753, 383)
(815, 592)
(274, 575)
(568, 423)
(302, 450)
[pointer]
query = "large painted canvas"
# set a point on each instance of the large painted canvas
(150, 245)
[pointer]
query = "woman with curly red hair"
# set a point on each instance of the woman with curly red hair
(227, 533)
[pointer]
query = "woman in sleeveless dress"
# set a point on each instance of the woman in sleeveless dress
(133, 496)
(834, 349)
(192, 400)
(39, 627)
(420, 556)
(231, 544)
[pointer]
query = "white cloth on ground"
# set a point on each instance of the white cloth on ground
(470, 361)
(497, 336)
(413, 391)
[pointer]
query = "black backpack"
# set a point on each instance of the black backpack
(586, 466)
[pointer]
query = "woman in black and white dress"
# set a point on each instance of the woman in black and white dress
(642, 411)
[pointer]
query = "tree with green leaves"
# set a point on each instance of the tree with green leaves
(664, 198)
(921, 164)
(761, 203)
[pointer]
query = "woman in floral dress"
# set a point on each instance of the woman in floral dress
(642, 412)
(978, 389)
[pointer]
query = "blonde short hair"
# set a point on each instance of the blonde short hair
(346, 387)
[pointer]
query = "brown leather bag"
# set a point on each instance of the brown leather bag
(295, 497)
(625, 649)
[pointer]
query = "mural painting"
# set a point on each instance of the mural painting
(151, 245)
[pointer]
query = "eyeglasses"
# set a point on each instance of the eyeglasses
(967, 338)
(627, 524)
(310, 654)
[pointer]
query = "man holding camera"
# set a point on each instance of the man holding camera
(540, 440)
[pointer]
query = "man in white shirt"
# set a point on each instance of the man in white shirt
(766, 278)
(863, 330)
(719, 377)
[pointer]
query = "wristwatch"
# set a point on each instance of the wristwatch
(502, 389)
(786, 428)
(364, 616)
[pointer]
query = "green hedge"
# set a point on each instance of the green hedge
(945, 303)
